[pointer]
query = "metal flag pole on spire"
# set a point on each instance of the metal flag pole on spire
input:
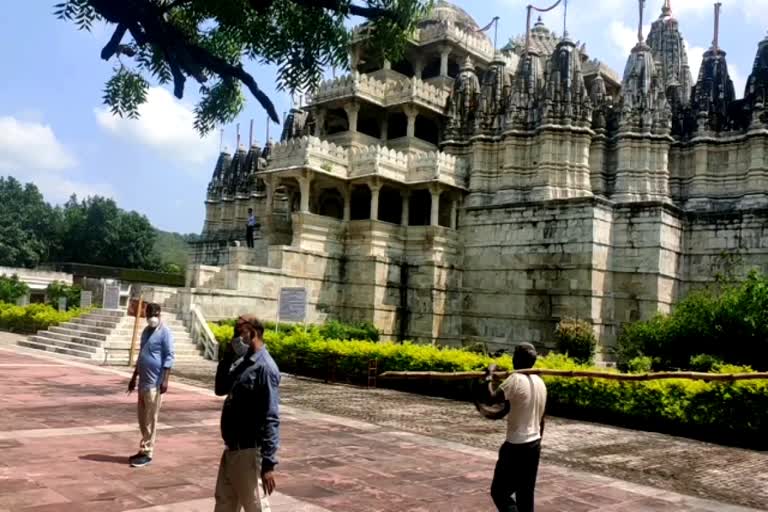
(531, 8)
(495, 24)
(250, 135)
(266, 140)
(221, 140)
(716, 39)
(565, 19)
(640, 23)
(237, 145)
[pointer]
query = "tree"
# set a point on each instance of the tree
(12, 288)
(27, 224)
(209, 40)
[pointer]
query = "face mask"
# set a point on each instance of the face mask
(239, 346)
(153, 321)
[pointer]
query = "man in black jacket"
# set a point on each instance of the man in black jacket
(250, 422)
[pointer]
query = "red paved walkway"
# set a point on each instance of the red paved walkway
(66, 430)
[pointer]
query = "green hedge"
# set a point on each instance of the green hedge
(730, 325)
(733, 413)
(32, 318)
(334, 330)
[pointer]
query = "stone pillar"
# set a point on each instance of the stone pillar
(305, 183)
(375, 188)
(411, 113)
(445, 52)
(269, 184)
(347, 193)
(384, 128)
(320, 122)
(352, 109)
(454, 213)
(418, 68)
(435, 217)
(405, 217)
(387, 64)
(354, 58)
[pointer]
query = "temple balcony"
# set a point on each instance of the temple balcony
(393, 93)
(312, 154)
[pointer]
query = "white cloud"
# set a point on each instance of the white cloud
(57, 189)
(26, 145)
(165, 125)
(695, 55)
(739, 79)
(623, 37)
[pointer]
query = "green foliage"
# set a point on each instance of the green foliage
(26, 224)
(212, 41)
(336, 330)
(173, 250)
(33, 318)
(12, 288)
(730, 325)
(57, 290)
(639, 364)
(576, 339)
(705, 363)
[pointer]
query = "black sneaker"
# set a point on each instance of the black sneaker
(135, 456)
(141, 461)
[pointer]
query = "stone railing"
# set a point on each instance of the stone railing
(438, 166)
(474, 42)
(384, 94)
(415, 90)
(309, 152)
(201, 334)
(379, 160)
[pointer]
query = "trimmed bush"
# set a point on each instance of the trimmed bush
(640, 364)
(33, 318)
(731, 325)
(12, 288)
(576, 339)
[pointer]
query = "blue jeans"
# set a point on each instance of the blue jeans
(515, 474)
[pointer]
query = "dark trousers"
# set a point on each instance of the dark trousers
(516, 474)
(249, 236)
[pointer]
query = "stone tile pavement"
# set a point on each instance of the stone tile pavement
(66, 429)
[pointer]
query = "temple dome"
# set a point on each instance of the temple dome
(446, 12)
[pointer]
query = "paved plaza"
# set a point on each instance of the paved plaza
(67, 428)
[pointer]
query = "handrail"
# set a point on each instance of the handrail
(202, 334)
(453, 376)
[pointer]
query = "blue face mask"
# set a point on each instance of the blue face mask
(239, 346)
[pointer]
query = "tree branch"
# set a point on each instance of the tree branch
(114, 42)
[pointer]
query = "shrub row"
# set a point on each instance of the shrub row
(729, 325)
(32, 318)
(334, 330)
(724, 412)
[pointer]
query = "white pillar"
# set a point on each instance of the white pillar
(387, 64)
(411, 113)
(454, 213)
(445, 51)
(320, 123)
(305, 183)
(384, 129)
(374, 200)
(418, 68)
(435, 217)
(352, 110)
(405, 217)
(347, 203)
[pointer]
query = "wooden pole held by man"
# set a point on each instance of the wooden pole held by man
(135, 336)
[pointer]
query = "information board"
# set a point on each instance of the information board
(292, 305)
(62, 303)
(111, 297)
(86, 299)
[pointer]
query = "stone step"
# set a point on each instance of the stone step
(53, 349)
(85, 328)
(120, 358)
(61, 347)
(179, 351)
(179, 336)
(128, 333)
(75, 332)
(71, 338)
(107, 312)
(103, 317)
(95, 323)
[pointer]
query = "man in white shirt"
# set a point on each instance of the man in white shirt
(250, 227)
(518, 462)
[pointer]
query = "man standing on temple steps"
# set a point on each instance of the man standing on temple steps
(250, 227)
(518, 462)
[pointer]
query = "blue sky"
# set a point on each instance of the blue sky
(55, 132)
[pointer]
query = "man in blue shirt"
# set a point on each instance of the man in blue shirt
(250, 420)
(153, 370)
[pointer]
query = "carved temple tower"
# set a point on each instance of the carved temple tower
(470, 194)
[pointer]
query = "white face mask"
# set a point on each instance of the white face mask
(240, 346)
(153, 321)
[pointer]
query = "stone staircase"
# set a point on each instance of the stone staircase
(104, 336)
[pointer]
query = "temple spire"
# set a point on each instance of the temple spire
(716, 38)
(640, 22)
(666, 10)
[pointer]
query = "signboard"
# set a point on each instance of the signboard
(292, 305)
(62, 303)
(86, 299)
(111, 297)
(23, 300)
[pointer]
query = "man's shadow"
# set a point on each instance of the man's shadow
(97, 457)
